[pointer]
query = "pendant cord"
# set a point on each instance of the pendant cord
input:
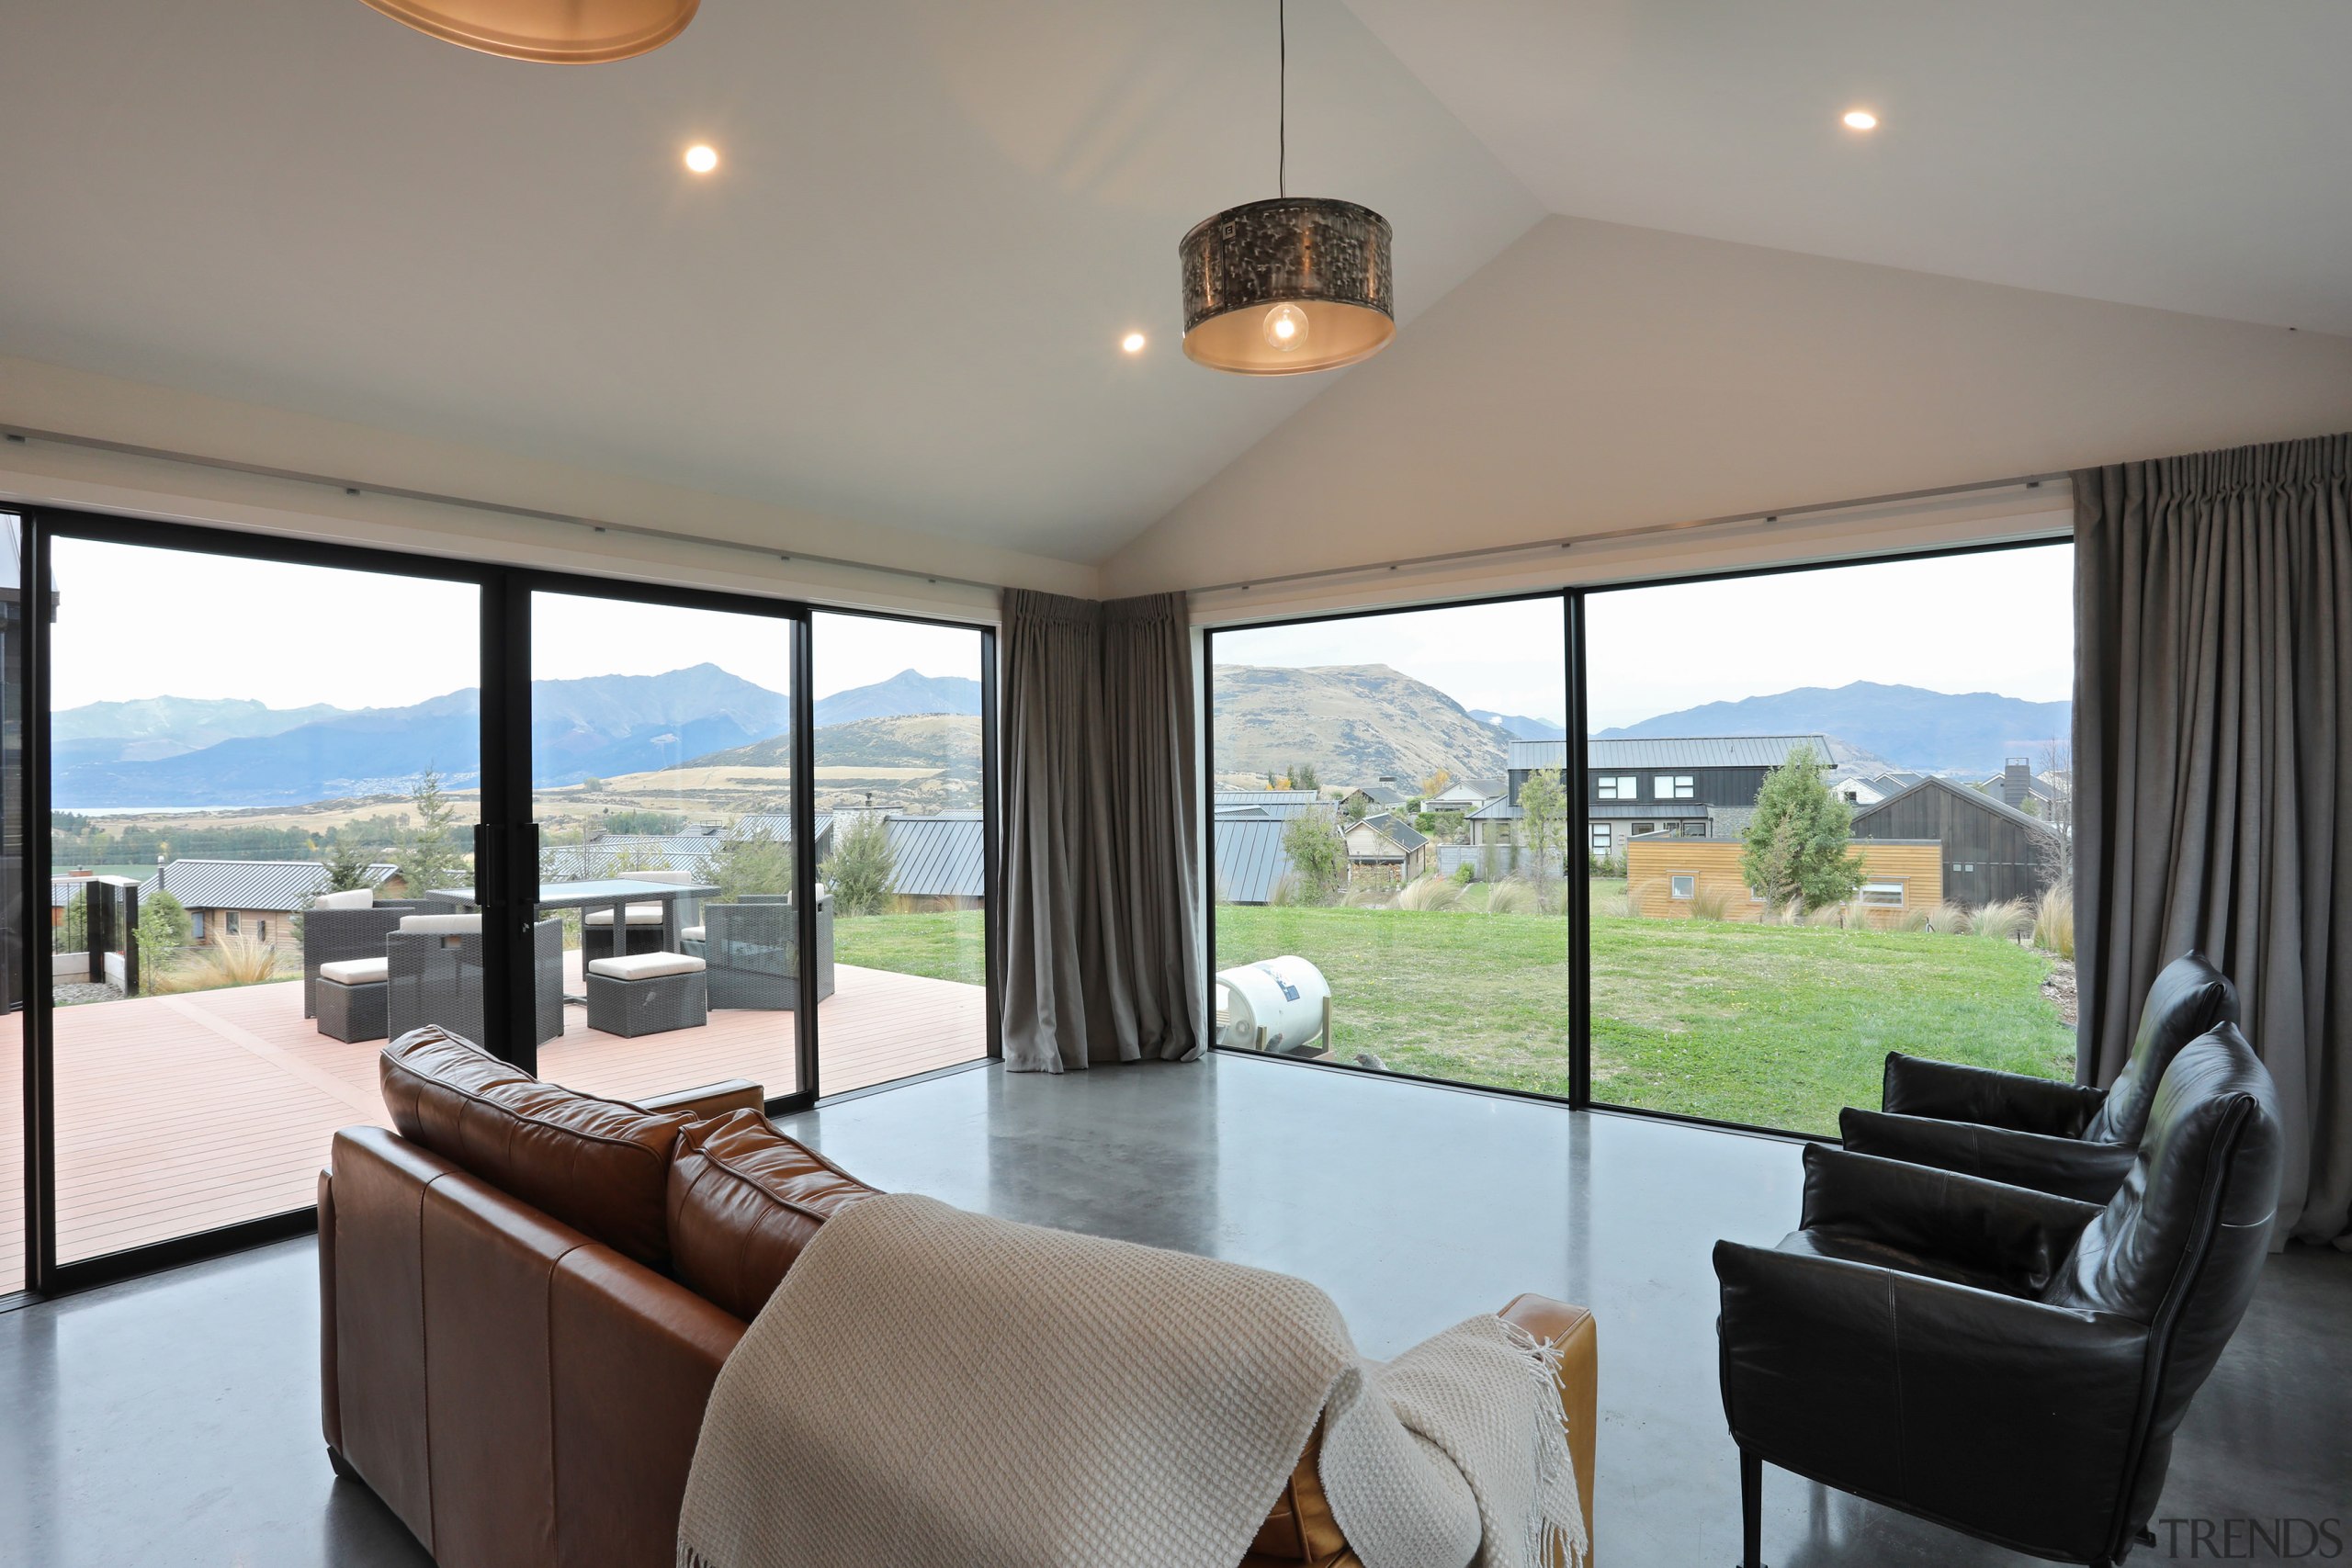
(1281, 100)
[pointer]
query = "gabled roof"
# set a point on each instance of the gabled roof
(1526, 756)
(1395, 830)
(1958, 791)
(1379, 794)
(246, 883)
(1267, 796)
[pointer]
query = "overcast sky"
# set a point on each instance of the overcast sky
(2001, 622)
(142, 623)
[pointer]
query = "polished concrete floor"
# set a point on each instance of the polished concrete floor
(173, 1420)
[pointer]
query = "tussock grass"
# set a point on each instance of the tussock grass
(1514, 897)
(1710, 904)
(1947, 920)
(1432, 892)
(2053, 922)
(229, 961)
(2003, 922)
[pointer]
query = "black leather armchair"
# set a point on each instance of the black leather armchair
(2030, 1132)
(2008, 1363)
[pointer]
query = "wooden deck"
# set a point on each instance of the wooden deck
(182, 1113)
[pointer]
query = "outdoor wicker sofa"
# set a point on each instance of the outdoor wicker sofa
(753, 947)
(333, 935)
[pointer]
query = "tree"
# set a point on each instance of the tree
(1425, 823)
(1302, 776)
(2055, 851)
(1435, 784)
(862, 866)
(164, 928)
(1544, 818)
(427, 855)
(1318, 857)
(1358, 808)
(749, 860)
(1797, 845)
(346, 867)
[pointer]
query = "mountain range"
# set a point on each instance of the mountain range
(1925, 731)
(1519, 725)
(184, 751)
(1354, 722)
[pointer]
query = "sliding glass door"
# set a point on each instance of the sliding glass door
(233, 740)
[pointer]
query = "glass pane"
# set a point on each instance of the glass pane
(1872, 851)
(12, 909)
(661, 783)
(903, 955)
(1391, 831)
(232, 741)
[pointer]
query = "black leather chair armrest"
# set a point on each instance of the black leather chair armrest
(1951, 1402)
(1949, 1092)
(2016, 1233)
(2068, 1166)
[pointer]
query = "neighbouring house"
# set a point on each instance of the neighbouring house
(937, 863)
(1279, 803)
(2018, 784)
(1672, 878)
(1365, 800)
(615, 854)
(251, 899)
(1466, 795)
(1694, 786)
(1250, 860)
(1991, 852)
(1385, 850)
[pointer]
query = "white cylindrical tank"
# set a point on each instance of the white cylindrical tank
(1285, 997)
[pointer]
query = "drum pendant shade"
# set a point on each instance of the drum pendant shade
(1287, 286)
(560, 32)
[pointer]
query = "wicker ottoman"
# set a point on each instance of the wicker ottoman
(648, 993)
(351, 996)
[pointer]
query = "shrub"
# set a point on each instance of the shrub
(2053, 922)
(1514, 897)
(1465, 874)
(862, 867)
(2001, 921)
(229, 960)
(1432, 892)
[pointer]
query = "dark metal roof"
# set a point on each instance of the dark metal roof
(938, 857)
(1397, 830)
(1697, 750)
(1249, 859)
(1266, 796)
(1974, 797)
(246, 883)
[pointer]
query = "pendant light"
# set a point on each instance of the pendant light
(560, 32)
(1285, 286)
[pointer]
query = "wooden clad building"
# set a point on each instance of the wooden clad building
(1670, 879)
(1991, 852)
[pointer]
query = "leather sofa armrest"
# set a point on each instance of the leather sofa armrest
(2090, 1173)
(2009, 1418)
(1572, 1329)
(2019, 1234)
(710, 1099)
(330, 1390)
(1949, 1093)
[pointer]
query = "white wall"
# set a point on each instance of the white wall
(46, 398)
(1595, 377)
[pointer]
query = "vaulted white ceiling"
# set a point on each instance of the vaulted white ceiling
(2189, 154)
(898, 299)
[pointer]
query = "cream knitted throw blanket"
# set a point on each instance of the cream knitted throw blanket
(934, 1389)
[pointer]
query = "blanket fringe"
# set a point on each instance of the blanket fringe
(689, 1558)
(1551, 1537)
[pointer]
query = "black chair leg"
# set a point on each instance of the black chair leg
(1751, 1510)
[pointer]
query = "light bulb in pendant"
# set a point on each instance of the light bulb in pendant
(1286, 327)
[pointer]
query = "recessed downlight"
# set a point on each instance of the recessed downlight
(1860, 120)
(1133, 343)
(702, 157)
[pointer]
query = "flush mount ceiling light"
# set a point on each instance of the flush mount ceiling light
(702, 157)
(1133, 343)
(560, 32)
(1860, 120)
(1284, 287)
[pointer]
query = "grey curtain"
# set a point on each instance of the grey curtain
(2213, 597)
(1102, 884)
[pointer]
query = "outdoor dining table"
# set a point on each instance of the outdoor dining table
(613, 893)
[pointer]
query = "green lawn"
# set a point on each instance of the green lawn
(943, 946)
(1775, 1026)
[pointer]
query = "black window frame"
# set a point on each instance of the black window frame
(508, 851)
(1574, 599)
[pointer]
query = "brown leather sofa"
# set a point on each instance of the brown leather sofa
(525, 1295)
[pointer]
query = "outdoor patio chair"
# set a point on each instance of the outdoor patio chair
(753, 947)
(2053, 1137)
(338, 932)
(434, 971)
(644, 919)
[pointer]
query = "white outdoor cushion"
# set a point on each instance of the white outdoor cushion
(668, 878)
(442, 925)
(692, 933)
(356, 898)
(646, 965)
(639, 915)
(357, 971)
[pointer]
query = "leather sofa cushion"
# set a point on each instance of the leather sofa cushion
(744, 1200)
(599, 1165)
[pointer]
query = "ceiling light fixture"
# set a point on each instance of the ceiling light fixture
(558, 32)
(1285, 286)
(1133, 343)
(1860, 120)
(702, 157)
